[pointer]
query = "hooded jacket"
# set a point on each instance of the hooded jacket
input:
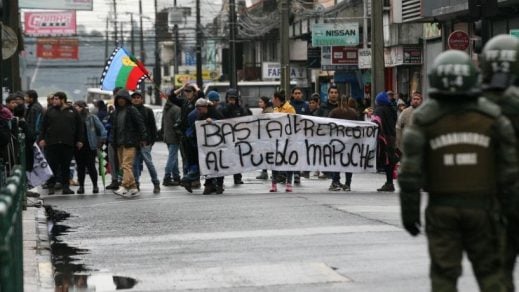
(133, 128)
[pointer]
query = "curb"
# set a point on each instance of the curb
(37, 265)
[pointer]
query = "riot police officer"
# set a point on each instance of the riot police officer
(499, 63)
(460, 150)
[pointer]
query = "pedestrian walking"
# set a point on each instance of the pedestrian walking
(129, 132)
(500, 87)
(94, 135)
(405, 118)
(171, 120)
(61, 132)
(385, 117)
(113, 160)
(282, 106)
(144, 151)
(462, 152)
(266, 107)
(343, 112)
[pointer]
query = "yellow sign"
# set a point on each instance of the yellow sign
(207, 75)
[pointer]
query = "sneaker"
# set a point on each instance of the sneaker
(72, 182)
(238, 181)
(156, 188)
(188, 186)
(95, 190)
(273, 188)
(80, 191)
(133, 192)
(346, 188)
(219, 190)
(263, 175)
(121, 191)
(209, 189)
(297, 179)
(50, 191)
(387, 188)
(67, 191)
(167, 181)
(334, 187)
(113, 186)
(288, 188)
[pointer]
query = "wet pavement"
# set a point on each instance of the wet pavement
(244, 240)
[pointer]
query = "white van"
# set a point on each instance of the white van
(97, 94)
(250, 91)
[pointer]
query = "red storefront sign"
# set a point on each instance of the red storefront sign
(458, 40)
(50, 23)
(57, 48)
(345, 55)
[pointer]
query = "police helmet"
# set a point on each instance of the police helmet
(453, 75)
(499, 62)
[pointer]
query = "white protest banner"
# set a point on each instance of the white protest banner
(41, 171)
(285, 142)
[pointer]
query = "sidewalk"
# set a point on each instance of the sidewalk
(37, 266)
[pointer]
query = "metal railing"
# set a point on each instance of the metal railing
(12, 202)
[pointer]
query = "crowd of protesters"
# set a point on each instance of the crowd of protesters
(126, 131)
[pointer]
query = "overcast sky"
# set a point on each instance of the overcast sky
(96, 19)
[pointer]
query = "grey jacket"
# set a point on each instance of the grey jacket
(171, 123)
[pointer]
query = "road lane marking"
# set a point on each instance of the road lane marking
(369, 209)
(258, 275)
(238, 234)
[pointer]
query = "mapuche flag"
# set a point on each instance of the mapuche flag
(123, 70)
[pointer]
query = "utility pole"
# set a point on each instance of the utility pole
(177, 45)
(377, 48)
(157, 78)
(232, 44)
(115, 23)
(132, 35)
(365, 25)
(199, 80)
(285, 55)
(107, 38)
(141, 45)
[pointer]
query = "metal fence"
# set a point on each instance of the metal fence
(12, 202)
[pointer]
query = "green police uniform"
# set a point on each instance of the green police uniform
(460, 150)
(500, 71)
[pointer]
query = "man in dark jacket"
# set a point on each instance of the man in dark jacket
(233, 109)
(172, 136)
(332, 102)
(129, 132)
(34, 113)
(61, 131)
(144, 152)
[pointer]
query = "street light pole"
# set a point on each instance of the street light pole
(157, 78)
(199, 80)
(232, 44)
(141, 44)
(285, 54)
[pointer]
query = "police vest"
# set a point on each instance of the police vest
(460, 156)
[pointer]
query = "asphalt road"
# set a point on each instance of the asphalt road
(247, 239)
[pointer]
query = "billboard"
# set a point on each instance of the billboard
(57, 4)
(57, 48)
(58, 23)
(335, 34)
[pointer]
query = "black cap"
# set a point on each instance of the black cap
(123, 93)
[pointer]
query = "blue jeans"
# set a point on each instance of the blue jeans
(171, 170)
(144, 154)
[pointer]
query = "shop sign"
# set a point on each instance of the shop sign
(272, 70)
(57, 4)
(57, 48)
(458, 40)
(57, 23)
(335, 34)
(364, 58)
(344, 56)
(412, 56)
(514, 32)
